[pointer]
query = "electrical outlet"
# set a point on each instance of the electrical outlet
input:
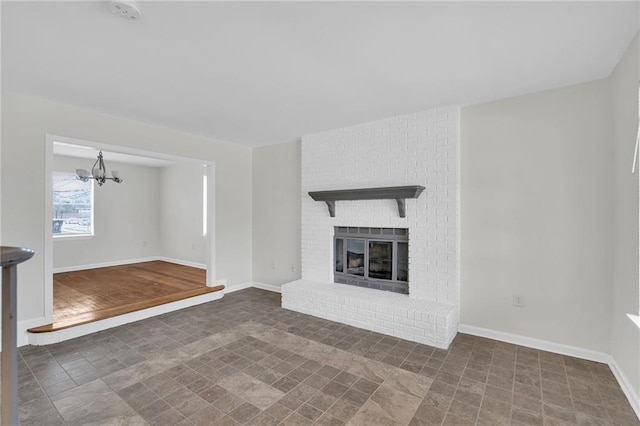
(293, 267)
(273, 265)
(518, 300)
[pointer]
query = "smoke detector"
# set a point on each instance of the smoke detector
(126, 9)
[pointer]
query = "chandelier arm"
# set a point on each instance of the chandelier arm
(93, 167)
(101, 176)
(102, 167)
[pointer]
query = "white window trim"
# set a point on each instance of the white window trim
(205, 202)
(74, 237)
(84, 236)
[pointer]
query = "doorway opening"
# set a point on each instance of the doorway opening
(123, 247)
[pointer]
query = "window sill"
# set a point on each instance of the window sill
(73, 237)
(635, 319)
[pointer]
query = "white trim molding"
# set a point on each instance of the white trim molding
(530, 342)
(559, 348)
(103, 264)
(236, 287)
(269, 287)
(23, 326)
(183, 263)
(129, 262)
(623, 381)
(635, 319)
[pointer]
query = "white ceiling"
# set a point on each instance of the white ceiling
(91, 154)
(261, 73)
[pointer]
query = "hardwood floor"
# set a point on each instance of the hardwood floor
(84, 296)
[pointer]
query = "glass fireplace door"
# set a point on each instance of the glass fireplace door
(381, 260)
(372, 257)
(355, 257)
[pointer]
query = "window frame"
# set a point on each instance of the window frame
(205, 202)
(79, 236)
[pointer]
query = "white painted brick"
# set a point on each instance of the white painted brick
(406, 336)
(384, 317)
(383, 330)
(416, 149)
(403, 327)
(401, 312)
(403, 320)
(412, 330)
(428, 341)
(395, 151)
(424, 325)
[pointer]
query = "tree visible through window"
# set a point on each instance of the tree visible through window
(72, 205)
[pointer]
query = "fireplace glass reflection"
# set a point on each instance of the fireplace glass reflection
(375, 258)
(339, 255)
(380, 259)
(403, 261)
(355, 257)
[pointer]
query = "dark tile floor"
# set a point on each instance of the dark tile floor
(245, 360)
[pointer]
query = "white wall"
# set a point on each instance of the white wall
(181, 213)
(126, 217)
(537, 179)
(276, 213)
(25, 122)
(413, 149)
(625, 336)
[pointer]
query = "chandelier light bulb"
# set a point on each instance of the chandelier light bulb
(98, 173)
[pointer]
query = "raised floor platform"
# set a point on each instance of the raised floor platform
(422, 321)
(93, 316)
(46, 337)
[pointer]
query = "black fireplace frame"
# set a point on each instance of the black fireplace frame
(394, 236)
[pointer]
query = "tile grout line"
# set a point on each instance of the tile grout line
(345, 339)
(485, 383)
(40, 384)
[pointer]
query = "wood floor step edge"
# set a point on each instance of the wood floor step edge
(120, 310)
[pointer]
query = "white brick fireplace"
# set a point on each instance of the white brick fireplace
(415, 149)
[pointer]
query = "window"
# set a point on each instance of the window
(205, 192)
(72, 205)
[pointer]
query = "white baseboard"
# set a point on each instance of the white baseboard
(103, 264)
(23, 326)
(236, 287)
(627, 388)
(269, 287)
(128, 262)
(562, 349)
(182, 262)
(530, 342)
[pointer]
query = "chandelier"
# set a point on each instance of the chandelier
(98, 173)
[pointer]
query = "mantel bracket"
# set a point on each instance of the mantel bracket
(401, 207)
(331, 205)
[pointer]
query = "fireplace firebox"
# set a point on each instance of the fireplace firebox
(376, 258)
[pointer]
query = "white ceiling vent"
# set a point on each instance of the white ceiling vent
(126, 9)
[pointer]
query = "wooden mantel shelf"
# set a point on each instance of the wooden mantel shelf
(398, 193)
